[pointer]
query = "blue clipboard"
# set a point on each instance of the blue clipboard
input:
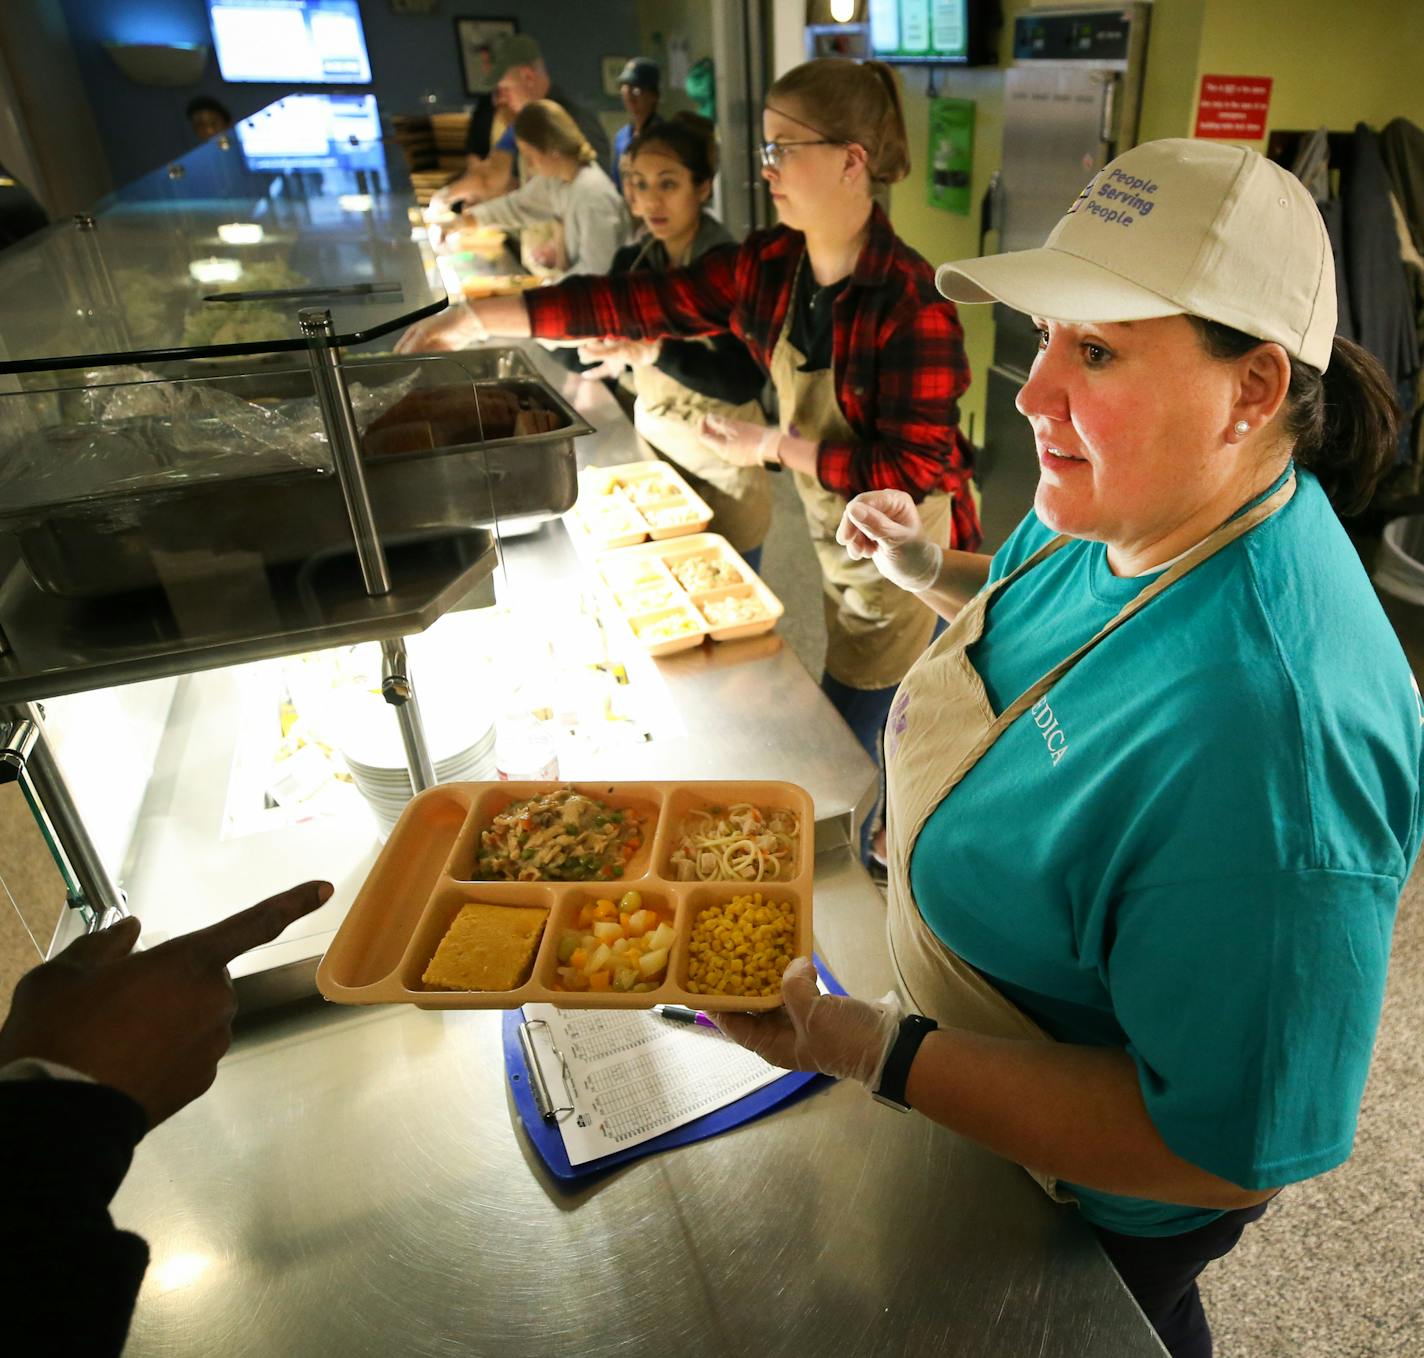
(550, 1145)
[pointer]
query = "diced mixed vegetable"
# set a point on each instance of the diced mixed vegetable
(616, 946)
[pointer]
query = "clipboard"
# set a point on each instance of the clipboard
(545, 1134)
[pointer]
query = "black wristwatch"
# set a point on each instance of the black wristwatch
(914, 1028)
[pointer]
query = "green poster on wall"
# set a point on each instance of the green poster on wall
(951, 153)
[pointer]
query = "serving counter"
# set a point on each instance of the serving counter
(358, 1182)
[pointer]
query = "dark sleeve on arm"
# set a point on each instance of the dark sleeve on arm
(477, 139)
(724, 371)
(642, 305)
(67, 1272)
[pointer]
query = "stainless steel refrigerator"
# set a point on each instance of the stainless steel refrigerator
(1071, 102)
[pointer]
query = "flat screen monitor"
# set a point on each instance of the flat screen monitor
(931, 31)
(290, 42)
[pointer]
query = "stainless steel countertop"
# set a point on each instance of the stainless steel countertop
(750, 707)
(357, 1181)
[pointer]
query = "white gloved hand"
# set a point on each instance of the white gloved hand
(885, 526)
(738, 442)
(457, 327)
(613, 355)
(832, 1034)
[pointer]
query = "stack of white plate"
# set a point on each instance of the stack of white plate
(460, 741)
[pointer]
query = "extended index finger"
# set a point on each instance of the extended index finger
(259, 924)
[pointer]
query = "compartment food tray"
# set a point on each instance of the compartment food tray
(423, 877)
(612, 501)
(643, 587)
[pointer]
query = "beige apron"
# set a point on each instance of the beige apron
(874, 630)
(667, 415)
(939, 727)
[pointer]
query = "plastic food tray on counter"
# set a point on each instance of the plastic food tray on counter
(424, 875)
(634, 501)
(677, 587)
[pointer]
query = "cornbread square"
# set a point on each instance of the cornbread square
(487, 947)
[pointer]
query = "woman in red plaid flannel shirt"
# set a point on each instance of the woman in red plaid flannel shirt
(866, 358)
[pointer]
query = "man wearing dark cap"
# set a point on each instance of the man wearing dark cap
(640, 84)
(520, 78)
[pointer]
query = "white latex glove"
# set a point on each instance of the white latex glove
(457, 327)
(832, 1034)
(738, 442)
(617, 354)
(885, 526)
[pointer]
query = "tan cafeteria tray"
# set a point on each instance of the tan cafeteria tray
(687, 578)
(423, 876)
(612, 502)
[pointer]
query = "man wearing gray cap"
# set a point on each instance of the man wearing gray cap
(520, 78)
(640, 84)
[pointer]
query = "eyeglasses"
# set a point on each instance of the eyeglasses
(774, 152)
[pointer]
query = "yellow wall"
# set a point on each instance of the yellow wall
(1169, 93)
(1333, 63)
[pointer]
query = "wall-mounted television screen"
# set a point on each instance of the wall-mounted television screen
(290, 42)
(959, 31)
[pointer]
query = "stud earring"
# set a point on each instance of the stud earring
(1242, 428)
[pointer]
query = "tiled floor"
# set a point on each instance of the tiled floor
(1335, 1270)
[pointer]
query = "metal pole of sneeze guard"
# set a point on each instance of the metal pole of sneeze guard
(398, 690)
(345, 442)
(341, 433)
(29, 759)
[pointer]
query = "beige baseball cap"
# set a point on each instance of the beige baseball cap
(1171, 227)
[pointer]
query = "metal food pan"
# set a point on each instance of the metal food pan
(129, 539)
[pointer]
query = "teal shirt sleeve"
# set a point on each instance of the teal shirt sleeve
(1250, 1006)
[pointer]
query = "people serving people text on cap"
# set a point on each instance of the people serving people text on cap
(1154, 793)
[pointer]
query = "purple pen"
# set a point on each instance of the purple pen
(676, 1013)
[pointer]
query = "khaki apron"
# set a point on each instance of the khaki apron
(667, 415)
(874, 630)
(941, 721)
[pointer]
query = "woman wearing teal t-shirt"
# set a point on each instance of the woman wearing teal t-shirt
(1154, 794)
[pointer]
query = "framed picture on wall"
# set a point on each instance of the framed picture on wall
(612, 68)
(476, 40)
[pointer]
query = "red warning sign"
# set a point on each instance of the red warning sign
(1233, 107)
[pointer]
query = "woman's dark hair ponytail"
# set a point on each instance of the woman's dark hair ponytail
(1344, 422)
(1359, 428)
